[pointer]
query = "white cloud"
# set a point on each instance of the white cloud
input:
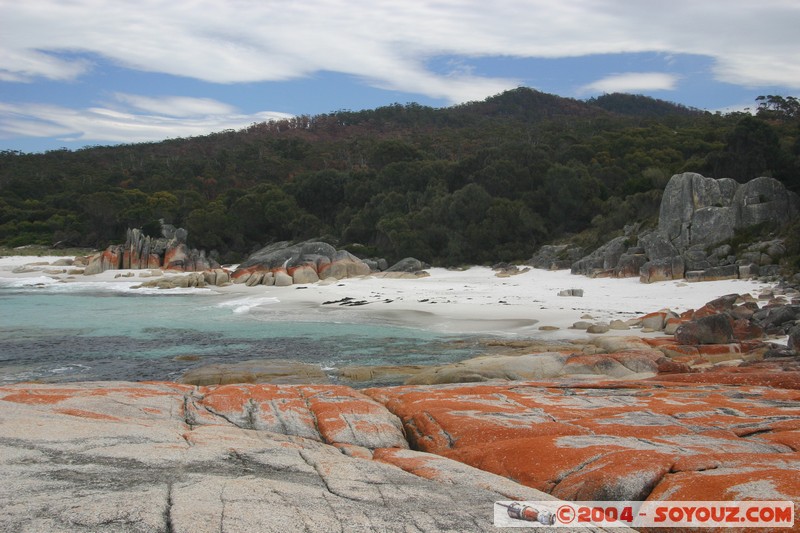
(388, 42)
(632, 82)
(385, 43)
(121, 125)
(20, 65)
(176, 106)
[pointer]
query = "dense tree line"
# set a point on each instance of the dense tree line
(475, 183)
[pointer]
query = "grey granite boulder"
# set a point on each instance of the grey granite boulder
(687, 194)
(794, 340)
(555, 256)
(765, 200)
(409, 264)
(604, 258)
(712, 329)
(301, 263)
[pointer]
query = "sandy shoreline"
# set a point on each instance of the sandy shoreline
(472, 301)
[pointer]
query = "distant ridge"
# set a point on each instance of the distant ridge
(527, 103)
(641, 106)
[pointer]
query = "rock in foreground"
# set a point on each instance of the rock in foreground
(166, 457)
(161, 457)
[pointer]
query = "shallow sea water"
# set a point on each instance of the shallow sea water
(57, 332)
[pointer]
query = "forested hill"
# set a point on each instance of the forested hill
(480, 182)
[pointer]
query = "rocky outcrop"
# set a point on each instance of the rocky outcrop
(696, 210)
(161, 457)
(140, 251)
(731, 318)
(697, 216)
(284, 263)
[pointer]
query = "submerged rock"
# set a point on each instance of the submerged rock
(255, 371)
(631, 360)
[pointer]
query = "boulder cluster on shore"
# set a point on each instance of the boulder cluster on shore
(280, 264)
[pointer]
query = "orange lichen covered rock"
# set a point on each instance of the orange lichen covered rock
(616, 476)
(91, 400)
(344, 415)
(764, 374)
(262, 407)
(603, 440)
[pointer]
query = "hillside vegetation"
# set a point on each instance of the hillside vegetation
(475, 183)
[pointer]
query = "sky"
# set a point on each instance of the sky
(76, 73)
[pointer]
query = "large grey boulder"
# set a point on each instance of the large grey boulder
(696, 210)
(794, 340)
(556, 256)
(684, 197)
(712, 329)
(662, 270)
(305, 262)
(657, 246)
(285, 254)
(409, 264)
(765, 200)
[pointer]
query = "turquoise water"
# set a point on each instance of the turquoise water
(57, 332)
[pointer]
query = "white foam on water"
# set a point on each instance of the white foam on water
(70, 368)
(34, 282)
(246, 305)
(51, 285)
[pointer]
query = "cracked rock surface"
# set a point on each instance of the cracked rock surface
(164, 457)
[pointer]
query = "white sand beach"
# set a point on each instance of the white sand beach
(472, 301)
(477, 301)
